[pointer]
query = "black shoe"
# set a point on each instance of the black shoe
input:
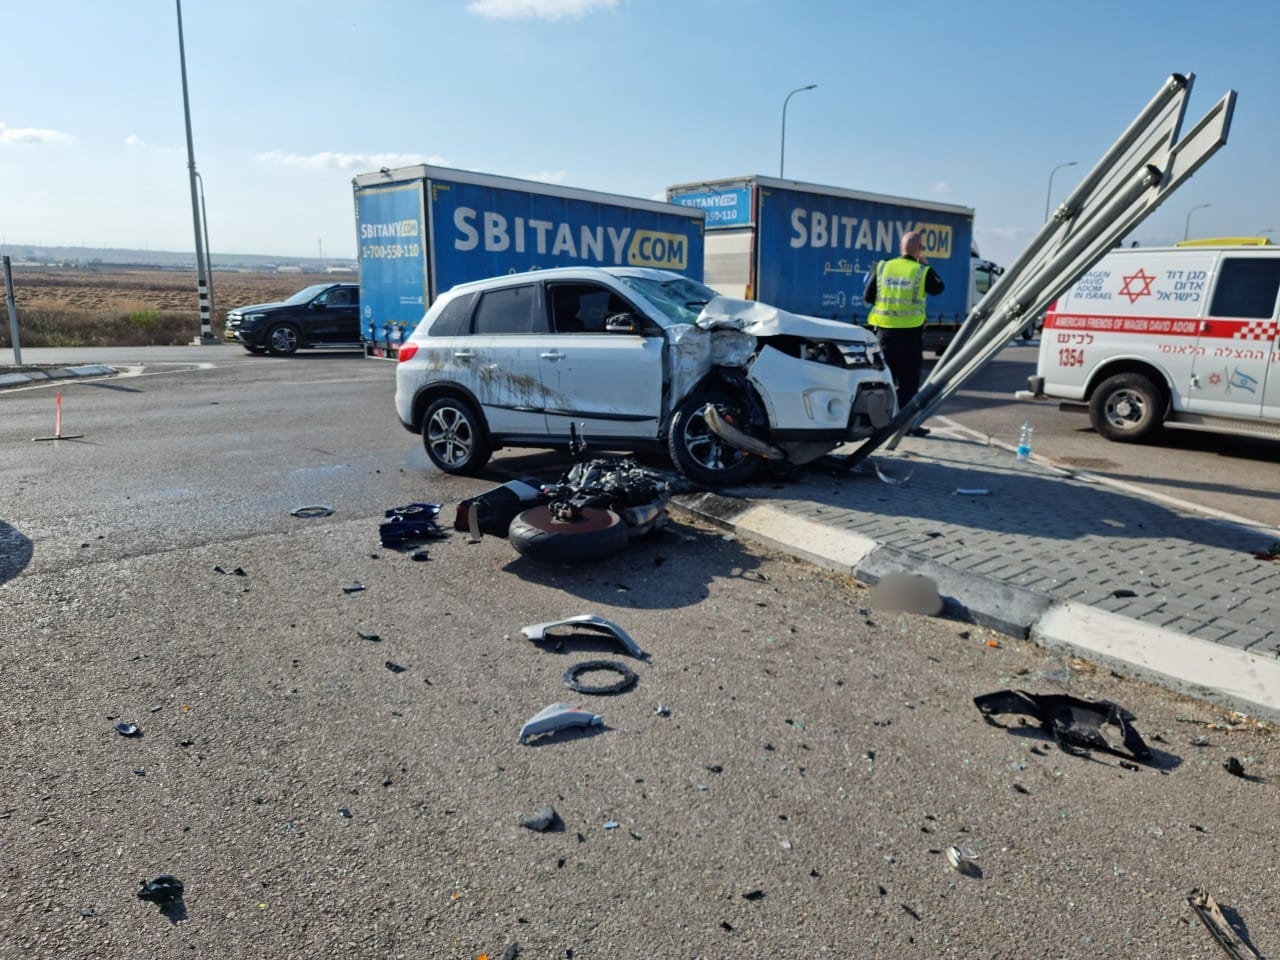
(918, 432)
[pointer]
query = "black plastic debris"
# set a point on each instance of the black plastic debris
(1123, 594)
(627, 678)
(344, 813)
(163, 890)
(542, 820)
(128, 730)
(312, 512)
(353, 588)
(372, 637)
(237, 572)
(753, 895)
(1233, 767)
(1075, 724)
(420, 556)
(512, 951)
(494, 509)
(395, 667)
(413, 521)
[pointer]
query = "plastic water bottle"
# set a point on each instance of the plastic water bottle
(1024, 442)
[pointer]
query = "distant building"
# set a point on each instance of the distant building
(339, 270)
(286, 269)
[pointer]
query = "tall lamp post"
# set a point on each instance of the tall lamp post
(208, 250)
(202, 283)
(782, 157)
(1186, 227)
(1049, 193)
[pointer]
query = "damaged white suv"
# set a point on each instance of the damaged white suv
(637, 358)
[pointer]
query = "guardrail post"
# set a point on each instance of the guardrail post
(13, 311)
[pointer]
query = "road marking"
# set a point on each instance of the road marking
(1130, 488)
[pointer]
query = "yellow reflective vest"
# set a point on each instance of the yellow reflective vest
(899, 294)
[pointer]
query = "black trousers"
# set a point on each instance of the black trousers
(904, 353)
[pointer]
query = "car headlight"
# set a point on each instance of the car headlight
(251, 318)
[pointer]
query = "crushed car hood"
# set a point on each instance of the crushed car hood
(762, 320)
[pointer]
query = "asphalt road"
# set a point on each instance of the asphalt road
(1233, 475)
(813, 759)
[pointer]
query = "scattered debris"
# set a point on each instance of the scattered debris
(1206, 908)
(611, 824)
(491, 512)
(353, 588)
(558, 716)
(626, 682)
(543, 820)
(310, 513)
(726, 925)
(395, 667)
(237, 572)
(1234, 767)
(753, 895)
(413, 521)
(911, 912)
(891, 480)
(373, 637)
(128, 730)
(963, 860)
(907, 593)
(1123, 594)
(538, 631)
(1075, 724)
(512, 951)
(662, 710)
(420, 556)
(163, 890)
(344, 812)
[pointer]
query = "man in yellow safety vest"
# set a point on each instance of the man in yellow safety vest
(896, 291)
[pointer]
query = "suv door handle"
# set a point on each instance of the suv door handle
(463, 355)
(553, 355)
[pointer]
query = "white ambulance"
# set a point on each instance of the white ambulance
(1185, 336)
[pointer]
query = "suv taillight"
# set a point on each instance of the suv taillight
(406, 351)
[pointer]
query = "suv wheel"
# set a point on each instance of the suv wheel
(1127, 407)
(454, 436)
(282, 340)
(701, 455)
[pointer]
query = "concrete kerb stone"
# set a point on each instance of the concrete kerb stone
(27, 376)
(1200, 668)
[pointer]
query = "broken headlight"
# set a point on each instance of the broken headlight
(842, 354)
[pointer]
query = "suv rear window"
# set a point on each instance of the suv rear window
(509, 311)
(1247, 287)
(455, 318)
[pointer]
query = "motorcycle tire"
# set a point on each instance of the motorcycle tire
(594, 534)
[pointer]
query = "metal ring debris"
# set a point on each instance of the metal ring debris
(587, 666)
(310, 513)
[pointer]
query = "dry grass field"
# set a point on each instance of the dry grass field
(121, 307)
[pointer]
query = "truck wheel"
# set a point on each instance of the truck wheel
(454, 436)
(282, 340)
(593, 534)
(701, 455)
(1128, 408)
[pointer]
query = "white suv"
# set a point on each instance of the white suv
(637, 358)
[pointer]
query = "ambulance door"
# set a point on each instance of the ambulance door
(1237, 337)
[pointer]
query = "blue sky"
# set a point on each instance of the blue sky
(969, 103)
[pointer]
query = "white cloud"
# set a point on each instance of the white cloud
(329, 160)
(133, 140)
(33, 135)
(942, 187)
(546, 176)
(543, 9)
(1002, 233)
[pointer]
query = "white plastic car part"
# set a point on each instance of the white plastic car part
(558, 716)
(538, 631)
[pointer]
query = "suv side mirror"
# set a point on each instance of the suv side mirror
(620, 323)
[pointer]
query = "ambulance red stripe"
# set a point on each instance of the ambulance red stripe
(1163, 326)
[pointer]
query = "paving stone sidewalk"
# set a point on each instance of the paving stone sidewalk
(1048, 539)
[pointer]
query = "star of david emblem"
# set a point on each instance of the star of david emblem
(1215, 378)
(1129, 290)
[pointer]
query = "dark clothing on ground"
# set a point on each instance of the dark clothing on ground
(904, 346)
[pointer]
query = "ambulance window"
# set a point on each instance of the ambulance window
(1247, 287)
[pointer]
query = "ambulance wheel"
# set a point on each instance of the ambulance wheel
(454, 436)
(701, 455)
(1128, 408)
(593, 534)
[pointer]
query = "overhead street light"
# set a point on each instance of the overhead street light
(1186, 229)
(1049, 193)
(782, 156)
(202, 286)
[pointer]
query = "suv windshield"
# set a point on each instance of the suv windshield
(680, 298)
(307, 293)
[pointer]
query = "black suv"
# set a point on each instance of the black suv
(323, 314)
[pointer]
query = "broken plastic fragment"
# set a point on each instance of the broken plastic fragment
(538, 631)
(611, 824)
(1074, 723)
(558, 716)
(354, 588)
(162, 890)
(962, 859)
(1233, 767)
(395, 667)
(309, 513)
(541, 821)
(127, 729)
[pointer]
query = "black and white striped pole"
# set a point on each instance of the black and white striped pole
(202, 280)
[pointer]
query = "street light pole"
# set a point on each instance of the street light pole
(202, 288)
(782, 157)
(1186, 227)
(1049, 193)
(208, 250)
